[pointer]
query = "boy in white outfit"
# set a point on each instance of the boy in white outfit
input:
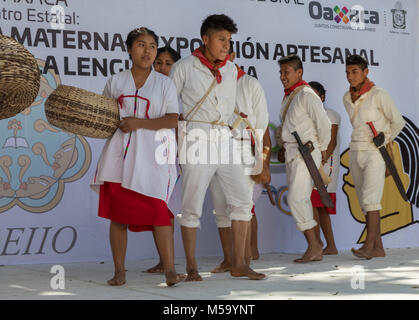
(253, 112)
(306, 116)
(364, 103)
(206, 83)
(331, 168)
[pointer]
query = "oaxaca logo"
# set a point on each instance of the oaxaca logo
(342, 14)
(399, 16)
(36, 159)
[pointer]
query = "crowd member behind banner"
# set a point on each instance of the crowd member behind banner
(134, 187)
(166, 57)
(206, 83)
(253, 110)
(365, 102)
(302, 112)
(331, 167)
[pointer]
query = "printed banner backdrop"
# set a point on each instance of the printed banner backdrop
(48, 213)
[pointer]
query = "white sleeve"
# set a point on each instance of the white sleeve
(321, 120)
(170, 99)
(177, 74)
(260, 106)
(392, 114)
(107, 90)
(334, 117)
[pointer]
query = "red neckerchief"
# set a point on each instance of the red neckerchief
(240, 72)
(214, 68)
(295, 86)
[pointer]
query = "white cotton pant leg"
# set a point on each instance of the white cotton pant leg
(222, 218)
(368, 172)
(233, 182)
(257, 192)
(195, 181)
(300, 186)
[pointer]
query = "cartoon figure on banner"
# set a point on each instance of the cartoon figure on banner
(396, 213)
(38, 159)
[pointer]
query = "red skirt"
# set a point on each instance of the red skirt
(317, 202)
(138, 211)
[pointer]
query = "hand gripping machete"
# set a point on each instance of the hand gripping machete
(305, 150)
(378, 140)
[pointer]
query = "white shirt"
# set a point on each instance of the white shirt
(193, 79)
(306, 116)
(331, 167)
(251, 100)
(140, 171)
(377, 106)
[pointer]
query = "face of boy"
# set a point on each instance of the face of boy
(217, 45)
(321, 96)
(355, 75)
(164, 63)
(290, 76)
(143, 51)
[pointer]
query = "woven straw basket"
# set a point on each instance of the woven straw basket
(19, 77)
(82, 112)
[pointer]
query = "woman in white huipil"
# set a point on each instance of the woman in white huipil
(136, 171)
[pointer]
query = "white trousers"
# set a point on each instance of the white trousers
(368, 172)
(222, 218)
(233, 183)
(300, 186)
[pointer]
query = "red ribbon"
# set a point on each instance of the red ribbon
(147, 108)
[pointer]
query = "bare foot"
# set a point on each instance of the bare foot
(173, 278)
(193, 275)
(223, 267)
(362, 253)
(158, 268)
(255, 255)
(246, 271)
(118, 279)
(330, 251)
(311, 255)
(247, 260)
(378, 253)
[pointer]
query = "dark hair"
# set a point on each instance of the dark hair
(173, 53)
(217, 22)
(134, 34)
(318, 87)
(357, 60)
(292, 59)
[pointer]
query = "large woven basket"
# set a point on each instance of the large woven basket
(19, 77)
(82, 112)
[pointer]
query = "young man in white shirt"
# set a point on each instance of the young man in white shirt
(308, 118)
(253, 114)
(364, 103)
